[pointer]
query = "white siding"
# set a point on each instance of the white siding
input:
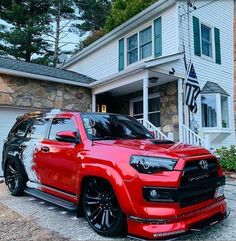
(217, 14)
(100, 63)
(104, 61)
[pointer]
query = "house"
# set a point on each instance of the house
(140, 69)
(26, 86)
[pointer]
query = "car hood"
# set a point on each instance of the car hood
(153, 148)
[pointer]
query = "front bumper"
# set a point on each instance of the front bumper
(193, 221)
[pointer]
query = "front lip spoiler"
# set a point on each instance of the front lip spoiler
(207, 223)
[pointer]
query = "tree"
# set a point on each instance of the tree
(26, 22)
(63, 13)
(93, 14)
(123, 10)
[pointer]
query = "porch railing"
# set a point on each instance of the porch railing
(190, 137)
(155, 130)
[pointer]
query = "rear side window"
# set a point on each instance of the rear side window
(38, 129)
(20, 129)
(61, 124)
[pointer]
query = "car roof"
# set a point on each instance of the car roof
(56, 112)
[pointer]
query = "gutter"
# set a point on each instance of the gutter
(42, 77)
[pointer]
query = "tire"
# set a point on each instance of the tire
(14, 179)
(101, 208)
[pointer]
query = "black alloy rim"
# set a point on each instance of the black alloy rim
(101, 206)
(12, 177)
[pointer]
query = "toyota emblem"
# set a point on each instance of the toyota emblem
(203, 164)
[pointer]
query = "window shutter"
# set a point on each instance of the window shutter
(158, 37)
(217, 45)
(121, 54)
(196, 36)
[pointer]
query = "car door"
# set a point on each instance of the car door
(57, 160)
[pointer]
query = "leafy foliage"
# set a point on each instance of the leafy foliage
(26, 23)
(92, 37)
(228, 157)
(122, 10)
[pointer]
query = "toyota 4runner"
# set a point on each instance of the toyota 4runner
(111, 169)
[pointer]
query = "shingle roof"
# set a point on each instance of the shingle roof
(17, 65)
(211, 87)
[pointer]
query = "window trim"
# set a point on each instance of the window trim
(212, 59)
(218, 112)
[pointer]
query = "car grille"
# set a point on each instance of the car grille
(198, 184)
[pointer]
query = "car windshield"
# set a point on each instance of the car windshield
(113, 127)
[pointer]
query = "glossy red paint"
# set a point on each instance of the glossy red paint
(69, 163)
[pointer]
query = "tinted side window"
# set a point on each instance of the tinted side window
(38, 129)
(21, 129)
(61, 125)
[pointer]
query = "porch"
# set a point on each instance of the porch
(154, 96)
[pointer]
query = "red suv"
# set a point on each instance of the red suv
(110, 168)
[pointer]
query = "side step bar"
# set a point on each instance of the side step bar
(52, 199)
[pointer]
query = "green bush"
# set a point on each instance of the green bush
(227, 157)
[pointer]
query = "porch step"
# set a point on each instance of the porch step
(52, 199)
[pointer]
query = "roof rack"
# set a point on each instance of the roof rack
(52, 113)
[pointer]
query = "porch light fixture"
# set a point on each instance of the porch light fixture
(153, 80)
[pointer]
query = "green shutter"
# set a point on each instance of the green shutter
(217, 45)
(158, 37)
(196, 36)
(121, 54)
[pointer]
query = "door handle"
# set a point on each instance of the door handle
(45, 148)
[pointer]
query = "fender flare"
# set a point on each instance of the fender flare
(113, 177)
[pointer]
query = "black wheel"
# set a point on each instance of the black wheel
(102, 209)
(14, 179)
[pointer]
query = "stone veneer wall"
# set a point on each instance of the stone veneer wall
(169, 108)
(37, 94)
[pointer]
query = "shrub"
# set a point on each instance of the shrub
(227, 157)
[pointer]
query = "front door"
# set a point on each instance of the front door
(136, 109)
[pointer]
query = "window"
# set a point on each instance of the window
(209, 118)
(38, 129)
(112, 127)
(132, 49)
(206, 39)
(61, 125)
(215, 111)
(145, 43)
(21, 129)
(225, 111)
(153, 110)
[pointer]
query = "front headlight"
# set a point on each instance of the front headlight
(146, 164)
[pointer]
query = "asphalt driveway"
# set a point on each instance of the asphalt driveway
(65, 225)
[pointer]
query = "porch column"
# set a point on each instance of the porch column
(180, 108)
(94, 102)
(145, 99)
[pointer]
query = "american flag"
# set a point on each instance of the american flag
(192, 89)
